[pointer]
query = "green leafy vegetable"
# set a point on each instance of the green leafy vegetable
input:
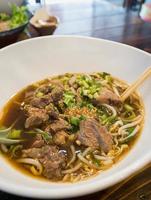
(19, 16)
(4, 17)
(9, 136)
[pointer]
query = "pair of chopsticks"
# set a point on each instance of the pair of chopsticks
(136, 84)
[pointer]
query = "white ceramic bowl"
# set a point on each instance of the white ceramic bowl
(35, 59)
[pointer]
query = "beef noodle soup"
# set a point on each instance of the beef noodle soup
(70, 127)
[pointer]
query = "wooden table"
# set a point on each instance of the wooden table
(99, 18)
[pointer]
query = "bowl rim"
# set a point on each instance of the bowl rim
(78, 190)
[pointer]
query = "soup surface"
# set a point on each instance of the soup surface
(69, 127)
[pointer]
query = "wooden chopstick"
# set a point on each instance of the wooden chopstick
(136, 84)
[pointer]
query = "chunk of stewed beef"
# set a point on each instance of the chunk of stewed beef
(60, 138)
(108, 97)
(92, 134)
(35, 117)
(52, 111)
(41, 102)
(37, 141)
(57, 94)
(58, 125)
(51, 158)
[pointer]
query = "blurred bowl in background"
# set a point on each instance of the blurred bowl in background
(10, 36)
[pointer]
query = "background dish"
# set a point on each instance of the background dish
(13, 23)
(57, 55)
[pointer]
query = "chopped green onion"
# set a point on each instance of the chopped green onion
(89, 86)
(69, 99)
(74, 121)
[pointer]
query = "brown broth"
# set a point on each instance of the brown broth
(11, 111)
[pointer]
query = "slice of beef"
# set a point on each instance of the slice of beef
(92, 134)
(36, 117)
(53, 114)
(37, 141)
(60, 138)
(58, 125)
(41, 102)
(107, 96)
(52, 159)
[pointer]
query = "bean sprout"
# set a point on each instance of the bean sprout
(129, 125)
(33, 162)
(73, 155)
(131, 135)
(84, 160)
(111, 108)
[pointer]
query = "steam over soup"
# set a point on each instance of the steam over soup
(70, 127)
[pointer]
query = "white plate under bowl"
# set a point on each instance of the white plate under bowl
(35, 59)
